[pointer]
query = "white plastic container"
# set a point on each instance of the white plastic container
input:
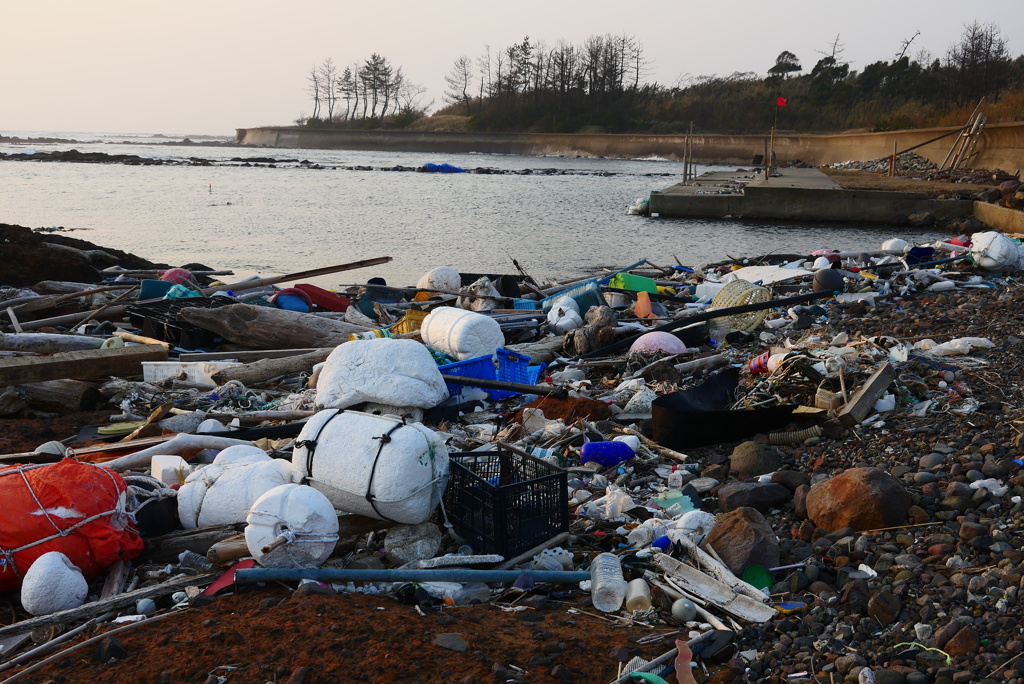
(404, 475)
(199, 372)
(708, 289)
(638, 596)
(461, 334)
(607, 585)
(169, 469)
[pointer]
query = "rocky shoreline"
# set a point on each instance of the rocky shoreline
(895, 538)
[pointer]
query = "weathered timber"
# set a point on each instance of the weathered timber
(265, 369)
(62, 396)
(265, 328)
(167, 547)
(79, 364)
(864, 399)
(43, 343)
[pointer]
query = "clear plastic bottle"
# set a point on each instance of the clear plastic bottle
(638, 596)
(607, 585)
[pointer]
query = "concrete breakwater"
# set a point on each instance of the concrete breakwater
(1001, 145)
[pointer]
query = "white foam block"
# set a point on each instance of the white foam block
(383, 371)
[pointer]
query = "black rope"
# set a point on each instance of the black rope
(370, 498)
(310, 446)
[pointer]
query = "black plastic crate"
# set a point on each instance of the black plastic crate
(159, 320)
(505, 503)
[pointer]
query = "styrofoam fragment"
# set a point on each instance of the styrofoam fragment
(384, 371)
(53, 583)
(440, 278)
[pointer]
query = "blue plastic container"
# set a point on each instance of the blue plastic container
(586, 295)
(606, 453)
(510, 367)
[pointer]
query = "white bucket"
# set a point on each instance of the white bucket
(373, 465)
(461, 334)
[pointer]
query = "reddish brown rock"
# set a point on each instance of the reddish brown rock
(965, 642)
(861, 498)
(742, 538)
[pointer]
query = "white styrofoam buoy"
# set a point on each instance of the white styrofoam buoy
(222, 492)
(461, 334)
(302, 517)
(400, 478)
(382, 371)
(53, 583)
(440, 278)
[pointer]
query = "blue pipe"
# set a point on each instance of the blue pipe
(405, 575)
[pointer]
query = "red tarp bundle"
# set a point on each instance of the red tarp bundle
(40, 502)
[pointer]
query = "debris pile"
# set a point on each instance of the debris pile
(793, 468)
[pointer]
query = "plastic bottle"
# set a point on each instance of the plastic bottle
(675, 478)
(191, 559)
(638, 596)
(606, 453)
(472, 592)
(369, 335)
(607, 585)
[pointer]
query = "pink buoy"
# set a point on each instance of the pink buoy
(176, 275)
(658, 341)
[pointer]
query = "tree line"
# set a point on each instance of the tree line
(601, 85)
(366, 92)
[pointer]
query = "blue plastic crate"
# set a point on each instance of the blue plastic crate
(511, 367)
(525, 304)
(481, 368)
(586, 294)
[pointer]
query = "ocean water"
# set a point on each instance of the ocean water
(257, 219)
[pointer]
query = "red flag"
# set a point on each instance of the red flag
(780, 102)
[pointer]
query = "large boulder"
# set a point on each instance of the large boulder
(861, 498)
(755, 458)
(759, 495)
(742, 538)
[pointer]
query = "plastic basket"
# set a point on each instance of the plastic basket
(586, 294)
(525, 304)
(481, 368)
(510, 367)
(505, 503)
(159, 321)
(513, 367)
(410, 323)
(634, 283)
(741, 293)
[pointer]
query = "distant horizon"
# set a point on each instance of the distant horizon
(135, 68)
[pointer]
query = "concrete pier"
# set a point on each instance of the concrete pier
(795, 194)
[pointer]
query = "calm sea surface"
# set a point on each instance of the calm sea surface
(290, 218)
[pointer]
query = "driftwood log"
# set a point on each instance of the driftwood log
(166, 548)
(261, 327)
(62, 396)
(265, 369)
(43, 343)
(541, 351)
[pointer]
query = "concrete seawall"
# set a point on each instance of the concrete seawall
(1001, 145)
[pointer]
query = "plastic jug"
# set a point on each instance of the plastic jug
(638, 596)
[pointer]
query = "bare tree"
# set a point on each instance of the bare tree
(905, 45)
(315, 89)
(977, 62)
(459, 80)
(328, 74)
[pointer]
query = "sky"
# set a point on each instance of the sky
(209, 67)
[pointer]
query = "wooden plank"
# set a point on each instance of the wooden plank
(166, 548)
(79, 364)
(864, 399)
(245, 356)
(90, 610)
